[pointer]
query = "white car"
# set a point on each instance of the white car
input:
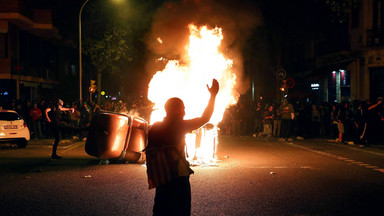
(13, 128)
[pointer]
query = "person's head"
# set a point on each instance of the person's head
(285, 101)
(270, 108)
(59, 103)
(34, 106)
(175, 107)
(345, 104)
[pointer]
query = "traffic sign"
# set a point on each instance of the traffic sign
(290, 82)
(281, 74)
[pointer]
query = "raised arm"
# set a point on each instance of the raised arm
(207, 114)
(46, 114)
(375, 105)
(67, 109)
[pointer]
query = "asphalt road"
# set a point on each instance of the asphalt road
(254, 177)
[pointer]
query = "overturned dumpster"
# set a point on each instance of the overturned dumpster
(117, 136)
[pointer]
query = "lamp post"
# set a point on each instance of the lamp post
(80, 64)
(80, 61)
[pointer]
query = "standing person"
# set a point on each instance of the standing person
(315, 119)
(322, 124)
(340, 124)
(345, 123)
(121, 108)
(302, 119)
(287, 115)
(276, 122)
(333, 121)
(36, 114)
(19, 109)
(26, 109)
(94, 107)
(267, 121)
(55, 118)
(75, 120)
(258, 129)
(13, 105)
(166, 142)
(376, 119)
(85, 119)
(361, 120)
(44, 125)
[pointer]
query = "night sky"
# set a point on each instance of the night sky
(267, 34)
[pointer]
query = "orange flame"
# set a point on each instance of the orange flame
(188, 81)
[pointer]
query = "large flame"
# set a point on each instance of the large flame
(188, 81)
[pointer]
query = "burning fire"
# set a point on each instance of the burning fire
(188, 81)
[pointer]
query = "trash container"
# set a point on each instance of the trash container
(116, 136)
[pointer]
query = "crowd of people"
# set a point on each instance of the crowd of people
(37, 122)
(356, 122)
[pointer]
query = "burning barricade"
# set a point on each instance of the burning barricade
(124, 136)
(203, 62)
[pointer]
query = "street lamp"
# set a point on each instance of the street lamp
(80, 61)
(80, 65)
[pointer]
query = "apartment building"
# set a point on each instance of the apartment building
(355, 70)
(33, 59)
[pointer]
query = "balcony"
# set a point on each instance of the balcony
(22, 14)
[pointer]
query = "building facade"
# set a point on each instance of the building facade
(356, 70)
(33, 58)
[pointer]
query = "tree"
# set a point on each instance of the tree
(107, 41)
(109, 53)
(113, 35)
(340, 10)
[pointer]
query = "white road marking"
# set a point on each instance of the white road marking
(72, 147)
(368, 166)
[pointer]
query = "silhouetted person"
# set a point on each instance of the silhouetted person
(167, 167)
(55, 118)
(35, 114)
(287, 115)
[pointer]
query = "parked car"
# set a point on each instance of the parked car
(13, 128)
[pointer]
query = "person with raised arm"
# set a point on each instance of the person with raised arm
(167, 167)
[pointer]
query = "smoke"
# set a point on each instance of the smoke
(169, 31)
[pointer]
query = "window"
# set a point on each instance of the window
(3, 45)
(9, 116)
(378, 7)
(355, 15)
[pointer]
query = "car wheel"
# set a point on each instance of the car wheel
(22, 144)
